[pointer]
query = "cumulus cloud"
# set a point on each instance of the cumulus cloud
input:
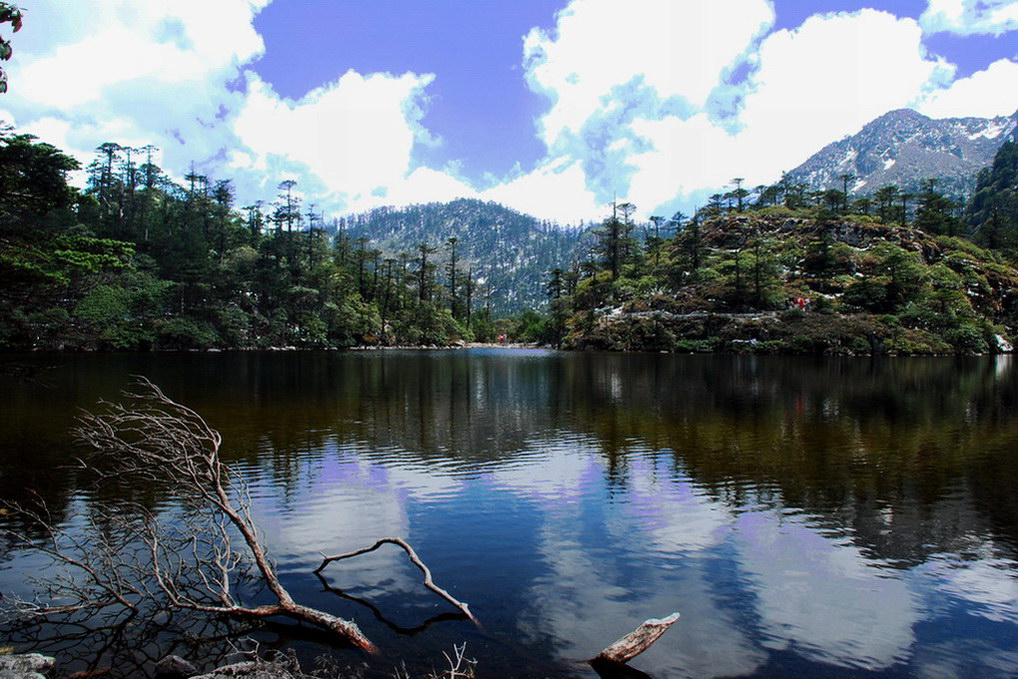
(987, 94)
(666, 134)
(556, 190)
(132, 73)
(351, 138)
(608, 65)
(657, 102)
(970, 17)
(599, 46)
(177, 74)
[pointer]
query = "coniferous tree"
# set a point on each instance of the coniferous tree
(935, 212)
(992, 213)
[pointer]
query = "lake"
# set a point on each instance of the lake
(807, 517)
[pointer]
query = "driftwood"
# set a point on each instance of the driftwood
(428, 581)
(611, 660)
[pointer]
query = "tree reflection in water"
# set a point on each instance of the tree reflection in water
(800, 513)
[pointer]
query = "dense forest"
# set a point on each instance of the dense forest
(508, 252)
(136, 261)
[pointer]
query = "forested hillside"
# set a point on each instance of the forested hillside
(137, 261)
(507, 252)
(993, 211)
(803, 272)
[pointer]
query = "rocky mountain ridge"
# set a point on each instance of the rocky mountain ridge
(904, 148)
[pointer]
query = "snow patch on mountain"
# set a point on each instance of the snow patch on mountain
(905, 148)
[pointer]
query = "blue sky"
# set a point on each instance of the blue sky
(549, 106)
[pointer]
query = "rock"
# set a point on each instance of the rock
(254, 669)
(25, 666)
(174, 667)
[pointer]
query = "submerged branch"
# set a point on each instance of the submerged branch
(416, 560)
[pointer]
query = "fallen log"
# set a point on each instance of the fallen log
(636, 642)
(416, 560)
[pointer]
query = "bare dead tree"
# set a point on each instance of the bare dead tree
(130, 559)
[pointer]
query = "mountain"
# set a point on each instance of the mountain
(510, 252)
(904, 148)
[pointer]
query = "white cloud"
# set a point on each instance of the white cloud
(46, 80)
(425, 185)
(134, 73)
(970, 17)
(827, 79)
(811, 86)
(655, 101)
(676, 49)
(164, 72)
(353, 137)
(687, 156)
(988, 93)
(608, 66)
(557, 191)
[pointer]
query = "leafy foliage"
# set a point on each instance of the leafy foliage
(8, 14)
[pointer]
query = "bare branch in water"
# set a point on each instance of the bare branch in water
(129, 558)
(416, 560)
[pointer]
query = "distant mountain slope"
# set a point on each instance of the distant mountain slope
(511, 251)
(904, 147)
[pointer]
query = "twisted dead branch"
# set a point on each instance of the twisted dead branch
(130, 559)
(416, 560)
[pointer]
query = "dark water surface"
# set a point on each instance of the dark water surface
(834, 518)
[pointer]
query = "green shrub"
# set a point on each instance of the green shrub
(917, 342)
(186, 333)
(693, 346)
(868, 294)
(967, 338)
